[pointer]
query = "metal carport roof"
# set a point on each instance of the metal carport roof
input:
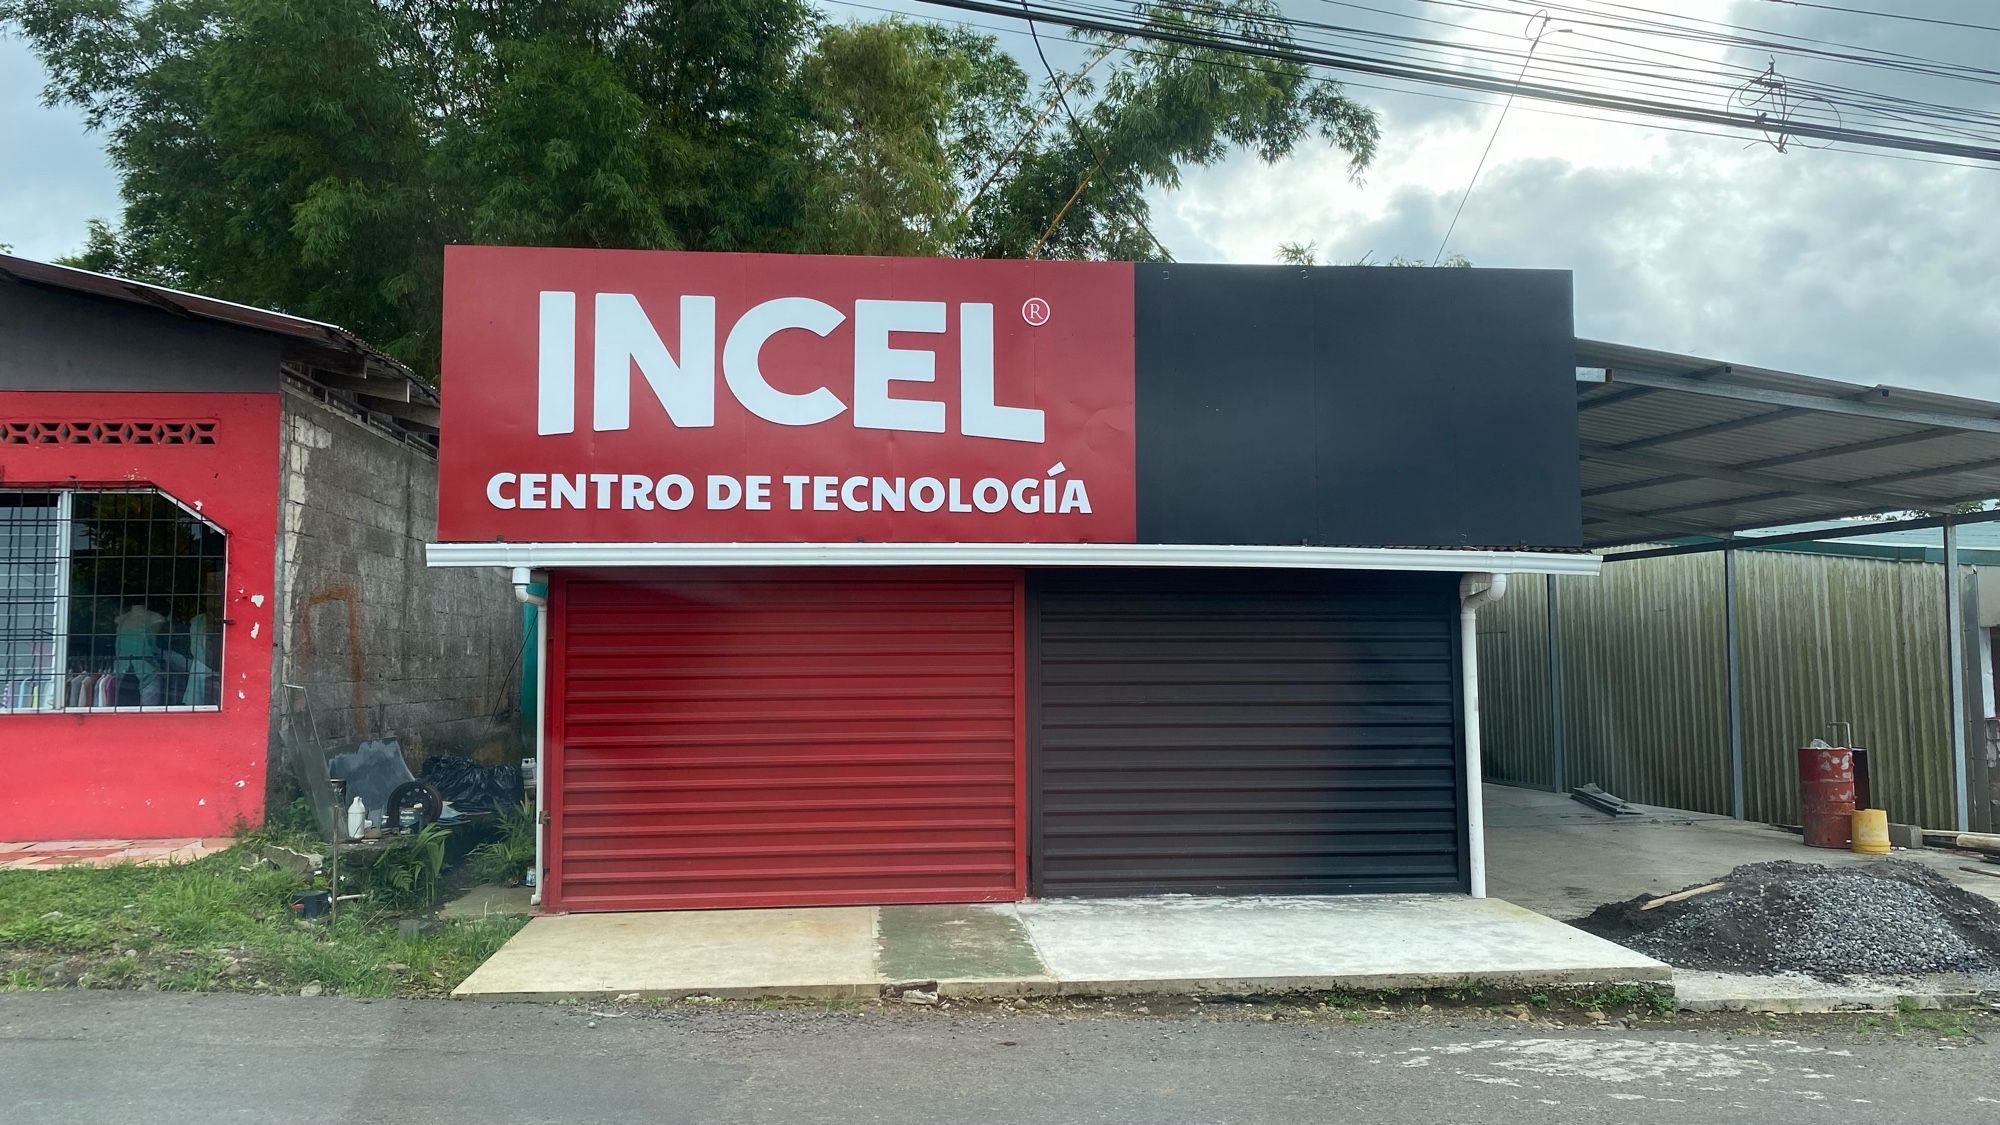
(1676, 445)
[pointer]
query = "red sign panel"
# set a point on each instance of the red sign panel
(652, 397)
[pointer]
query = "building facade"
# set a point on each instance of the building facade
(882, 580)
(211, 531)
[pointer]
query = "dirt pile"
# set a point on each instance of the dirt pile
(1883, 918)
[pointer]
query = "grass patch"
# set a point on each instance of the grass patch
(1909, 1015)
(1553, 1002)
(1659, 1001)
(220, 923)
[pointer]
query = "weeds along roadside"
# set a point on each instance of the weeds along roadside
(225, 922)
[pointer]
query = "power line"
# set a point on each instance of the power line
(1654, 75)
(1879, 99)
(1915, 115)
(1417, 90)
(1679, 25)
(1832, 105)
(1494, 136)
(1062, 98)
(1887, 15)
(1724, 84)
(1457, 77)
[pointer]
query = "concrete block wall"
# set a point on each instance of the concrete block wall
(381, 645)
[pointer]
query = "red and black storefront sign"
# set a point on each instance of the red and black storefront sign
(648, 397)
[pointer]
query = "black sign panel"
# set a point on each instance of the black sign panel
(1356, 406)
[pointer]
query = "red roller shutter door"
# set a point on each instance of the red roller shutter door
(824, 738)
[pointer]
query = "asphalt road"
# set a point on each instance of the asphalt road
(101, 1057)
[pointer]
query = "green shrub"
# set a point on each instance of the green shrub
(407, 873)
(507, 859)
(298, 818)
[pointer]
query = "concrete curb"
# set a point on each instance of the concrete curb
(1275, 986)
(1823, 1005)
(992, 988)
(1796, 994)
(1827, 1005)
(855, 991)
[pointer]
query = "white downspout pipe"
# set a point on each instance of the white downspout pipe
(523, 580)
(1474, 590)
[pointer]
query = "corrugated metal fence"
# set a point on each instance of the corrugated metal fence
(1643, 679)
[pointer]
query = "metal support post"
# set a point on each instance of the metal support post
(1954, 641)
(1734, 661)
(339, 787)
(1558, 751)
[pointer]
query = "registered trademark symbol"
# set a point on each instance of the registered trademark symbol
(1035, 311)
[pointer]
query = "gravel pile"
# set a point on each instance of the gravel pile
(1891, 917)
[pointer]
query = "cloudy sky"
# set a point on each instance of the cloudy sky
(1838, 262)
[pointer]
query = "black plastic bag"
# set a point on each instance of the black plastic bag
(470, 786)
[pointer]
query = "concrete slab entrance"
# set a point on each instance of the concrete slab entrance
(821, 952)
(1270, 944)
(1092, 946)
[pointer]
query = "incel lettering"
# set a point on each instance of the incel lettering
(682, 377)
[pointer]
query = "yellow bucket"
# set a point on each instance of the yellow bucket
(1871, 831)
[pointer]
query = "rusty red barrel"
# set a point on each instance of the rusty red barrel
(1826, 795)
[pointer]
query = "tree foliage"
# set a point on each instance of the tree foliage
(1140, 113)
(316, 157)
(1307, 254)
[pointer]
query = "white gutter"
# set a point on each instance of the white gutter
(548, 555)
(1474, 590)
(523, 579)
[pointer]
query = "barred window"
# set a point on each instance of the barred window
(109, 601)
(31, 568)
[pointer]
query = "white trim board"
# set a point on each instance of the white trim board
(552, 555)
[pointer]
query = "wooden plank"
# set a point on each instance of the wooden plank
(1677, 896)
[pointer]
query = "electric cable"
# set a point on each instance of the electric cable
(1081, 19)
(1419, 90)
(1494, 136)
(1888, 15)
(1062, 99)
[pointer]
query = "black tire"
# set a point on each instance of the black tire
(420, 795)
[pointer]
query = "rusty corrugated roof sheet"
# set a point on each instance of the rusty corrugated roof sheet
(410, 408)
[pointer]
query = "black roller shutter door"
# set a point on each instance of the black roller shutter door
(1245, 732)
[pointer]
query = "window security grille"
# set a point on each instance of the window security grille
(109, 601)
